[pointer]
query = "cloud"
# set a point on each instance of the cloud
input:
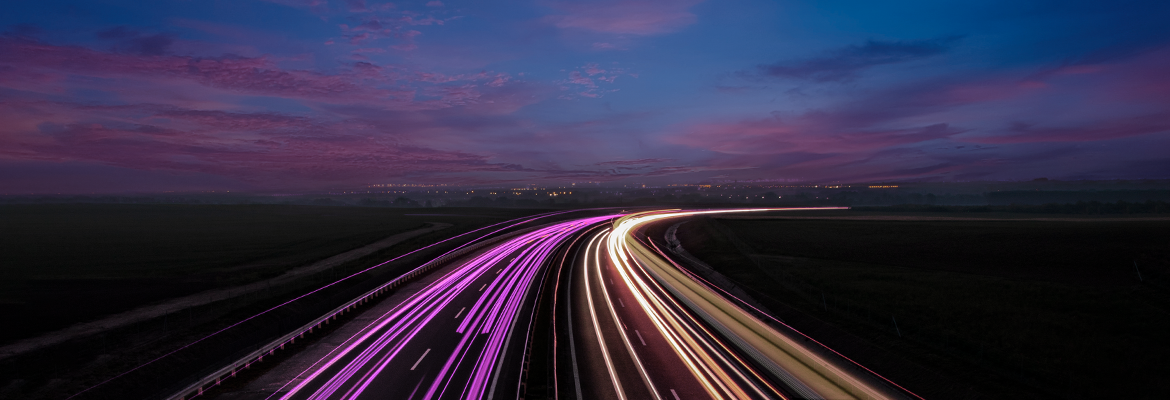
(844, 64)
(643, 162)
(135, 42)
(631, 17)
(811, 133)
(315, 5)
(972, 126)
(356, 5)
(1021, 132)
(390, 87)
(587, 80)
(266, 149)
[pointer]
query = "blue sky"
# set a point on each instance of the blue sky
(303, 95)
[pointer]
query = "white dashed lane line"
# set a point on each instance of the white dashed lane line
(460, 312)
(420, 360)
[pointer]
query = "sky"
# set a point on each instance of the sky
(277, 95)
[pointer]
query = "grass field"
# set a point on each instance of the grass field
(65, 263)
(71, 263)
(976, 308)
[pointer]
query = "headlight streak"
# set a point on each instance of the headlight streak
(622, 332)
(494, 314)
(596, 326)
(510, 223)
(622, 255)
(722, 351)
(700, 363)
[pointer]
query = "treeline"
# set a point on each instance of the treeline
(1080, 207)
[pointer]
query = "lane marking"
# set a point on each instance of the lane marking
(499, 270)
(622, 333)
(460, 312)
(481, 287)
(675, 394)
(640, 337)
(622, 302)
(420, 360)
(617, 385)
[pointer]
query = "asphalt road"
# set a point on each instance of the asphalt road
(623, 354)
(628, 324)
(460, 336)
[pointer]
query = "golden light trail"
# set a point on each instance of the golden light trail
(805, 372)
(597, 329)
(622, 332)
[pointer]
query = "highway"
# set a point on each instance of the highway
(460, 337)
(644, 328)
(627, 323)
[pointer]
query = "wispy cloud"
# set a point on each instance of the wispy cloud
(845, 63)
(633, 17)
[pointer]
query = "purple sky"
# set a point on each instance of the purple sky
(101, 96)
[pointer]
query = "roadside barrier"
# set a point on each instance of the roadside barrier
(215, 378)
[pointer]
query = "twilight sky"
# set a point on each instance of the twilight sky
(101, 96)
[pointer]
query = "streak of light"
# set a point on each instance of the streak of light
(682, 308)
(484, 332)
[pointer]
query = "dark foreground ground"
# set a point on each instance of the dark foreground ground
(69, 263)
(1002, 306)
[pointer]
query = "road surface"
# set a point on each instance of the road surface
(644, 328)
(628, 324)
(460, 337)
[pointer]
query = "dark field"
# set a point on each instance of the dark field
(966, 309)
(65, 264)
(70, 263)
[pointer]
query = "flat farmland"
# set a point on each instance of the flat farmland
(64, 264)
(980, 307)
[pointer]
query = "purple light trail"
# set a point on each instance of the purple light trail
(479, 340)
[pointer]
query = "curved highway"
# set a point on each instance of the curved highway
(644, 328)
(630, 324)
(453, 338)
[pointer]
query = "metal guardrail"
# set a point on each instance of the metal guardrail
(215, 378)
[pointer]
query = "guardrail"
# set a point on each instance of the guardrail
(215, 378)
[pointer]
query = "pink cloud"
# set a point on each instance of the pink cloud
(593, 69)
(266, 149)
(1088, 132)
(643, 162)
(811, 133)
(640, 17)
(577, 78)
(363, 83)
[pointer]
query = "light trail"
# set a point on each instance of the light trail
(717, 375)
(727, 351)
(507, 225)
(687, 338)
(469, 356)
